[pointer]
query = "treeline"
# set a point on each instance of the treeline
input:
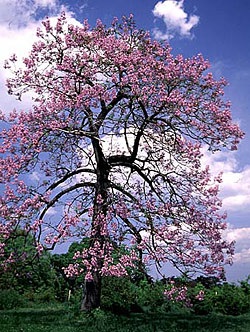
(28, 282)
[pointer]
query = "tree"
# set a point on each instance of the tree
(25, 271)
(111, 150)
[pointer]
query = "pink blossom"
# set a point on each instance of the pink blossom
(200, 295)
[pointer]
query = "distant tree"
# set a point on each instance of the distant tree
(114, 145)
(25, 271)
(208, 282)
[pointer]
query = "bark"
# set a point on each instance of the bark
(91, 294)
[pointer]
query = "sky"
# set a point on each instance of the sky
(218, 29)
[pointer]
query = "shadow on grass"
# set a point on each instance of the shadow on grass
(63, 320)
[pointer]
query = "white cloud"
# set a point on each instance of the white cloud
(17, 41)
(177, 21)
(235, 186)
(243, 256)
(19, 20)
(46, 3)
(18, 13)
(237, 234)
(242, 247)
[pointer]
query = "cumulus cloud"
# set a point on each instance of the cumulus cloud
(176, 20)
(243, 256)
(241, 237)
(19, 20)
(241, 259)
(18, 13)
(235, 187)
(15, 41)
(235, 195)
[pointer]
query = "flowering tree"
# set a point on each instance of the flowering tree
(111, 151)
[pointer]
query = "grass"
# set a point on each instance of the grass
(63, 319)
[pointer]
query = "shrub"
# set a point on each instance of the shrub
(149, 296)
(183, 295)
(44, 295)
(227, 299)
(10, 299)
(118, 294)
(121, 295)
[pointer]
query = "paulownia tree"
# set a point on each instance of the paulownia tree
(111, 151)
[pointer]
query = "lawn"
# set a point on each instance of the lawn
(63, 319)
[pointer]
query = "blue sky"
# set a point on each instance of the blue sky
(217, 29)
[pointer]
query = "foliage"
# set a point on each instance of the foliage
(214, 297)
(42, 295)
(125, 296)
(149, 296)
(65, 283)
(118, 294)
(10, 299)
(115, 134)
(227, 299)
(27, 274)
(49, 284)
(121, 295)
(245, 285)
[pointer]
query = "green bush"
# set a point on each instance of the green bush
(121, 295)
(118, 294)
(10, 299)
(149, 296)
(245, 285)
(40, 295)
(44, 295)
(227, 299)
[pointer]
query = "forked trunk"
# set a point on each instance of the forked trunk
(91, 294)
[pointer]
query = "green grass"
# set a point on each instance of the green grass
(63, 319)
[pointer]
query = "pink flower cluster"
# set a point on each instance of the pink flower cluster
(103, 259)
(182, 294)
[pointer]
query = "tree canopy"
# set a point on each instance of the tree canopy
(113, 142)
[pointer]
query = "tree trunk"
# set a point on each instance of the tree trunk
(92, 294)
(92, 289)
